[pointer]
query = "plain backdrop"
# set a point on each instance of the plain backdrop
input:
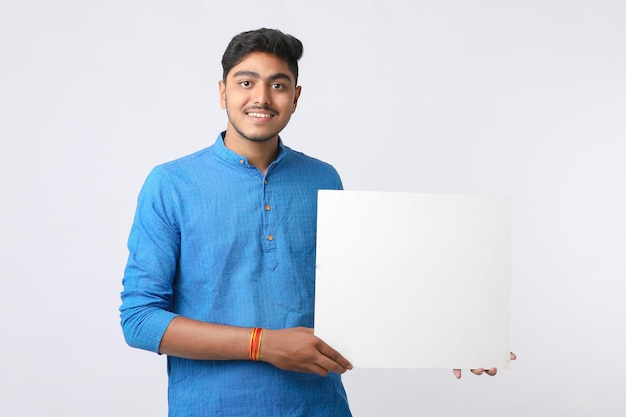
(518, 98)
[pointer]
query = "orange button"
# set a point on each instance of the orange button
(267, 207)
(270, 237)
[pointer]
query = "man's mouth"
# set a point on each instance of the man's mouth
(260, 115)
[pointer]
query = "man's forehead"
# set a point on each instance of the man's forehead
(262, 65)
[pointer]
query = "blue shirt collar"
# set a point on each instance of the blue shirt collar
(229, 156)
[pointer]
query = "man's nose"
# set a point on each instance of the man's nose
(263, 95)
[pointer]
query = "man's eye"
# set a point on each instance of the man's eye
(277, 86)
(245, 83)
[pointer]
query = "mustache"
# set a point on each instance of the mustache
(265, 107)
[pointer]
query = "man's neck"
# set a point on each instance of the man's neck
(259, 154)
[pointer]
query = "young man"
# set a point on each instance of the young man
(221, 270)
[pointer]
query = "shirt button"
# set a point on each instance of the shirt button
(241, 161)
(267, 207)
(265, 182)
(270, 237)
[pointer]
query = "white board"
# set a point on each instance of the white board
(407, 280)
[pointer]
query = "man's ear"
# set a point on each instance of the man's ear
(295, 99)
(222, 86)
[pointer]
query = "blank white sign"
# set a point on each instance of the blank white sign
(407, 280)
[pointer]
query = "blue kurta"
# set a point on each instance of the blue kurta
(215, 240)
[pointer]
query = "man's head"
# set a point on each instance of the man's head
(272, 41)
(259, 90)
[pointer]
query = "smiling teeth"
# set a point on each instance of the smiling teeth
(262, 115)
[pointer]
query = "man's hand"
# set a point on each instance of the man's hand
(298, 349)
(480, 371)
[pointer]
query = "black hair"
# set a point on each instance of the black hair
(273, 41)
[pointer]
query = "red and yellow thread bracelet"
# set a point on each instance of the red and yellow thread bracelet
(251, 348)
(258, 348)
(255, 343)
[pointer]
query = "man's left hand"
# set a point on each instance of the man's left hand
(480, 371)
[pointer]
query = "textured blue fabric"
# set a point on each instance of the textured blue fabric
(200, 247)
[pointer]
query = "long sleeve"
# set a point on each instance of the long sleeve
(154, 248)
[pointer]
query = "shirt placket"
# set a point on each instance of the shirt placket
(269, 232)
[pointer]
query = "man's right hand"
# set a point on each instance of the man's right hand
(298, 349)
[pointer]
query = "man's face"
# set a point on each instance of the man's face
(259, 97)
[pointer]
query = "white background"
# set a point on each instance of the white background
(526, 99)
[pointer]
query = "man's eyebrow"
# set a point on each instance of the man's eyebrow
(252, 74)
(244, 73)
(280, 76)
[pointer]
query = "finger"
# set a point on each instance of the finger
(331, 366)
(478, 371)
(338, 366)
(492, 371)
(332, 360)
(457, 373)
(513, 356)
(314, 368)
(336, 357)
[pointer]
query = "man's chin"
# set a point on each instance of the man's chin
(259, 139)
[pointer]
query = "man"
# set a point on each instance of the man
(221, 270)
(220, 275)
